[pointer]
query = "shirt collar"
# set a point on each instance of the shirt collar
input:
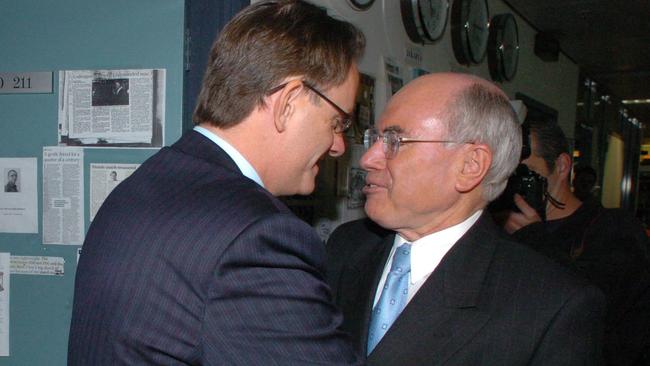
(428, 251)
(244, 166)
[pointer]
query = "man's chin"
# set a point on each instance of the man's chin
(306, 192)
(305, 189)
(373, 210)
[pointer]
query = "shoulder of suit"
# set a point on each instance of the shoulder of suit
(358, 236)
(360, 228)
(206, 185)
(533, 266)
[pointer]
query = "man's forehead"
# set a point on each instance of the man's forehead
(409, 125)
(397, 118)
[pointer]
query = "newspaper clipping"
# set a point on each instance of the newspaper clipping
(37, 265)
(63, 193)
(393, 76)
(18, 198)
(103, 178)
(112, 108)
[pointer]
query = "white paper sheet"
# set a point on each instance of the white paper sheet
(103, 179)
(112, 108)
(18, 197)
(37, 265)
(63, 192)
(4, 303)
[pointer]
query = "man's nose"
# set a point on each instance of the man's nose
(338, 145)
(374, 158)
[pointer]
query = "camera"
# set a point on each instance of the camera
(531, 186)
(528, 184)
(525, 182)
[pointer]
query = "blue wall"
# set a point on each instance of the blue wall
(53, 35)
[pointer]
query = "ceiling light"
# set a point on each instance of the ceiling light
(636, 101)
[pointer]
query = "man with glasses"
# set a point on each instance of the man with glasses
(193, 259)
(429, 279)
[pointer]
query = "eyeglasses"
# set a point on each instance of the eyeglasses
(392, 140)
(341, 124)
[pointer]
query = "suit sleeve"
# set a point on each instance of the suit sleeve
(269, 298)
(574, 336)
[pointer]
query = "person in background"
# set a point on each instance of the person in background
(608, 247)
(120, 93)
(429, 278)
(192, 260)
(584, 182)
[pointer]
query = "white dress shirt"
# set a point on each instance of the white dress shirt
(426, 254)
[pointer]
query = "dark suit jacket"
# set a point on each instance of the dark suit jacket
(190, 262)
(489, 302)
(121, 97)
(609, 248)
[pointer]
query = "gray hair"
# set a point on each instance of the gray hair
(482, 115)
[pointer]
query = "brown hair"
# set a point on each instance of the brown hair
(266, 43)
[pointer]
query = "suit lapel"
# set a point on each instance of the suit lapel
(445, 313)
(356, 294)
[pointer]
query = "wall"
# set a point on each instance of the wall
(554, 84)
(53, 35)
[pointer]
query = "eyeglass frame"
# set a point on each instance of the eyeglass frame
(346, 119)
(390, 145)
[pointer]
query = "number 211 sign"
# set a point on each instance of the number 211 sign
(25, 82)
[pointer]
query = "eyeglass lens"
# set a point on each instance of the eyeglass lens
(344, 121)
(390, 141)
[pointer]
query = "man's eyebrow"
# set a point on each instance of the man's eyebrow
(393, 128)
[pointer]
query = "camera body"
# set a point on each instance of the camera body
(531, 186)
(525, 182)
(528, 184)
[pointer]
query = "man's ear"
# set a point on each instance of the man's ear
(285, 105)
(477, 159)
(563, 165)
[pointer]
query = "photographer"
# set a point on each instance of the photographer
(606, 246)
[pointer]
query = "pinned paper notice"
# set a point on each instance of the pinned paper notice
(4, 303)
(48, 266)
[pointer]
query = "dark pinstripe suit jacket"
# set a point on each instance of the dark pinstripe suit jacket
(489, 302)
(189, 262)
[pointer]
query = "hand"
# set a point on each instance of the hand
(517, 220)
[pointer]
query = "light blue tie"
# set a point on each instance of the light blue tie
(393, 297)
